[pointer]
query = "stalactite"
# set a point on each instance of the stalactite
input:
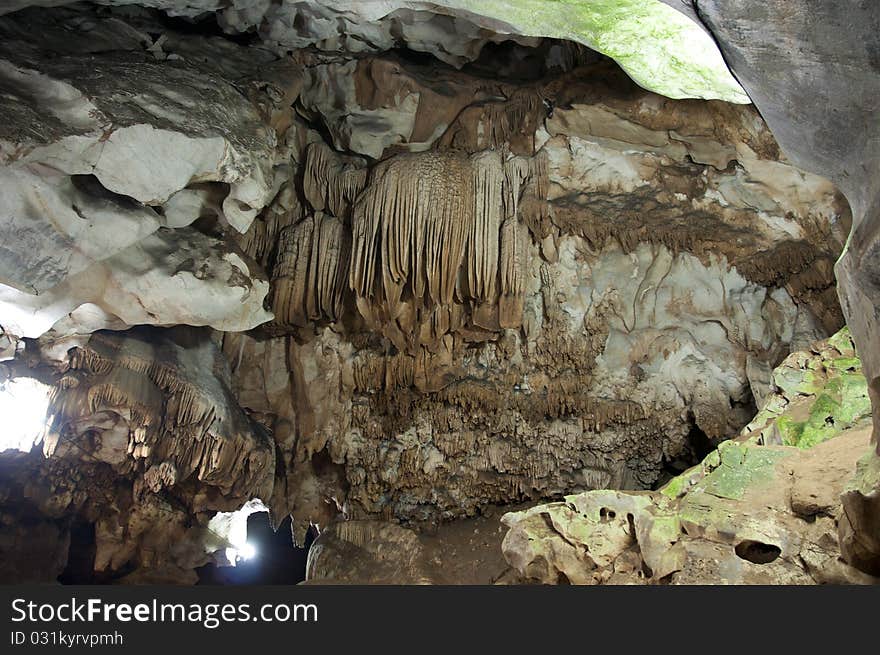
(516, 173)
(89, 360)
(124, 387)
(331, 182)
(309, 275)
(410, 228)
(482, 260)
(514, 262)
(539, 173)
(261, 237)
(428, 234)
(178, 413)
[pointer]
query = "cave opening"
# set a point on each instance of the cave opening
(697, 445)
(270, 556)
(80, 568)
(24, 403)
(206, 25)
(700, 445)
(515, 62)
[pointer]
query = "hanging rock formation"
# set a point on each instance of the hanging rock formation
(516, 325)
(144, 431)
(439, 261)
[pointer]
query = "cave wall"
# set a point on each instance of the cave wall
(435, 289)
(664, 242)
(816, 90)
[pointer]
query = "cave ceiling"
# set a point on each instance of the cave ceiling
(403, 261)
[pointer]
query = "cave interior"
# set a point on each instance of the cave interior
(449, 292)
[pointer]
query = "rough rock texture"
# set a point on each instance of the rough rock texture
(103, 157)
(132, 415)
(752, 512)
(816, 92)
(436, 287)
(749, 515)
(815, 395)
(858, 528)
(366, 552)
(658, 46)
(631, 270)
(466, 552)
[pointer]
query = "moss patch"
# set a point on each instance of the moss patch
(681, 484)
(742, 466)
(659, 47)
(819, 393)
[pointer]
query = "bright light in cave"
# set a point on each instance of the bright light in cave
(229, 530)
(248, 551)
(23, 406)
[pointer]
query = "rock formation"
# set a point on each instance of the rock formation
(753, 512)
(383, 266)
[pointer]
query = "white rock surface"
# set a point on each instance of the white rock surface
(167, 278)
(96, 149)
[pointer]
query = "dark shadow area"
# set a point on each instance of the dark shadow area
(513, 62)
(90, 185)
(206, 25)
(276, 561)
(80, 567)
(699, 445)
(757, 552)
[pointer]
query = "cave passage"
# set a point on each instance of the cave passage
(274, 558)
(80, 567)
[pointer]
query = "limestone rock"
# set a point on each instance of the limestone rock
(858, 528)
(497, 272)
(377, 552)
(84, 215)
(575, 321)
(636, 34)
(366, 552)
(169, 277)
(133, 416)
(732, 523)
(787, 55)
(751, 513)
(814, 395)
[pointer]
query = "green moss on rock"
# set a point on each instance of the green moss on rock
(660, 48)
(743, 466)
(681, 484)
(842, 342)
(742, 491)
(818, 394)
